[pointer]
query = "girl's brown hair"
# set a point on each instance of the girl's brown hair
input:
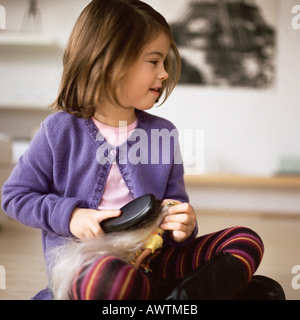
(106, 39)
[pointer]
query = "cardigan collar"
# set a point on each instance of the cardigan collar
(97, 135)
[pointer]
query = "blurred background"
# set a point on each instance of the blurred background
(240, 88)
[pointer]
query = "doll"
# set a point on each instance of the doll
(133, 244)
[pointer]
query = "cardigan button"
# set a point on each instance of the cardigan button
(113, 152)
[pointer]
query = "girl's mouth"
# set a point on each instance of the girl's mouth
(155, 91)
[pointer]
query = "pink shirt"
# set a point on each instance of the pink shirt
(116, 193)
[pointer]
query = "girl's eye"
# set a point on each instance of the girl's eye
(154, 62)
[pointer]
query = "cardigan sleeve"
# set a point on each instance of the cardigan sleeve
(176, 190)
(26, 195)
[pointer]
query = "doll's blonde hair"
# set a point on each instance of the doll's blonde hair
(68, 259)
(104, 43)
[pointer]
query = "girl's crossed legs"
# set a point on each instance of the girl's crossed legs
(110, 278)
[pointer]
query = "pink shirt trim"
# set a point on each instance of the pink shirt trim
(116, 193)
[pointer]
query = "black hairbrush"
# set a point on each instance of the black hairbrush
(134, 215)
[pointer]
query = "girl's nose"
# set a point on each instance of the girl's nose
(163, 75)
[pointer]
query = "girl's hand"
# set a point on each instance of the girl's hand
(181, 220)
(85, 223)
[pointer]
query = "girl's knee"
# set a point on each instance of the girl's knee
(110, 278)
(243, 238)
(246, 245)
(251, 237)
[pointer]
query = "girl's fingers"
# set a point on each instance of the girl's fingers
(106, 214)
(180, 208)
(87, 235)
(179, 217)
(181, 220)
(179, 235)
(174, 226)
(97, 231)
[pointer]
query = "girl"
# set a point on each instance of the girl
(119, 61)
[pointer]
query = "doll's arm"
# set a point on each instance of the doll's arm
(154, 242)
(141, 257)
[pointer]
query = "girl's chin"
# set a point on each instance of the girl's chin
(145, 107)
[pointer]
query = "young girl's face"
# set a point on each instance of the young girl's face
(141, 86)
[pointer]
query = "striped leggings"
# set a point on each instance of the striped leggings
(110, 278)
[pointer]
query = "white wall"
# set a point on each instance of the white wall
(31, 75)
(246, 131)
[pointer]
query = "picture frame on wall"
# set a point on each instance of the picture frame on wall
(225, 42)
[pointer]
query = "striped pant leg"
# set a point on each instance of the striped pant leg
(110, 278)
(243, 243)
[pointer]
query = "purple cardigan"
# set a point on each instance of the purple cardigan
(61, 170)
